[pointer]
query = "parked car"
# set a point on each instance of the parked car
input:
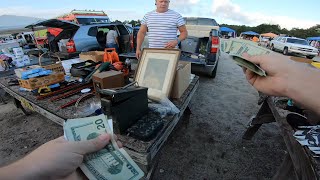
(76, 38)
(293, 45)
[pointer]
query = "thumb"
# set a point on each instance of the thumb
(93, 145)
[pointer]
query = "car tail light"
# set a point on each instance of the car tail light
(215, 44)
(71, 47)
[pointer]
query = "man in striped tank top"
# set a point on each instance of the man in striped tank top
(162, 25)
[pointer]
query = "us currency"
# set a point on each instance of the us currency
(236, 47)
(111, 162)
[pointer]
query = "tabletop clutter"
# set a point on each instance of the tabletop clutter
(125, 95)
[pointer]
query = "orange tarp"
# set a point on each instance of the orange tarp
(270, 34)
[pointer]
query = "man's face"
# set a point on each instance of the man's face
(162, 5)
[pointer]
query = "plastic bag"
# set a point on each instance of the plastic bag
(87, 108)
(164, 108)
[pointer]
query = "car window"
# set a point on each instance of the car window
(201, 21)
(279, 39)
(297, 41)
(93, 31)
(122, 30)
(204, 21)
(191, 22)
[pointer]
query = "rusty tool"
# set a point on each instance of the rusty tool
(75, 101)
(70, 93)
(60, 91)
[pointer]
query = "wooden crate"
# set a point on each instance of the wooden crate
(35, 83)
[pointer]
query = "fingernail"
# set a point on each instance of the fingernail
(104, 137)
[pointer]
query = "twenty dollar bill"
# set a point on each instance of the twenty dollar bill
(110, 163)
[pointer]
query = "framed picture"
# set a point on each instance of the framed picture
(156, 71)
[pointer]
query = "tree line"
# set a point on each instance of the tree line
(313, 31)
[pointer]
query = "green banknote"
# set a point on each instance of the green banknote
(110, 163)
(249, 65)
(237, 47)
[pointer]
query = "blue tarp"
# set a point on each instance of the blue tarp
(313, 38)
(250, 33)
(226, 29)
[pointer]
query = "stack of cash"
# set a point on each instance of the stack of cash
(111, 162)
(236, 47)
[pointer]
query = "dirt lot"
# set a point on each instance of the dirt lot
(208, 147)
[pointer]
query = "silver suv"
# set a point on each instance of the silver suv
(75, 38)
(292, 45)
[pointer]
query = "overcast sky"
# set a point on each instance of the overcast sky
(286, 13)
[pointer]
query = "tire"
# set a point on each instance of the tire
(285, 51)
(310, 57)
(212, 74)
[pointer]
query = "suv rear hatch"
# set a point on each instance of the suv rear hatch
(63, 41)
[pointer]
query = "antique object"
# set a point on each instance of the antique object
(156, 71)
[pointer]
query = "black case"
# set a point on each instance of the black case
(125, 105)
(80, 70)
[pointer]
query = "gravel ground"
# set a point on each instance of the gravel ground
(209, 146)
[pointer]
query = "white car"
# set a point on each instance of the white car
(292, 45)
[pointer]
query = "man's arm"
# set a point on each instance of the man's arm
(140, 38)
(183, 32)
(183, 36)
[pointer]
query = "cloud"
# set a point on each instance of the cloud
(122, 15)
(33, 12)
(232, 13)
(189, 8)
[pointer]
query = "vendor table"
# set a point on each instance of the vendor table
(144, 153)
(299, 162)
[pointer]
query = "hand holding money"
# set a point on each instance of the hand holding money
(55, 159)
(112, 161)
(237, 47)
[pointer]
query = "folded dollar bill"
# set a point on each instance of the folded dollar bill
(111, 162)
(237, 47)
(249, 65)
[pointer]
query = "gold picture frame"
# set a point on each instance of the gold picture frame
(156, 71)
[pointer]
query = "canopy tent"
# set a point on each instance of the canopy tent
(229, 31)
(226, 29)
(270, 34)
(251, 33)
(313, 38)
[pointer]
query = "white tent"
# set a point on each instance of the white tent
(17, 29)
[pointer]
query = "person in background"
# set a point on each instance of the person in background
(56, 159)
(286, 78)
(162, 25)
(255, 39)
(112, 39)
(50, 39)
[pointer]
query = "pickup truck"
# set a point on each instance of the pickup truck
(201, 47)
(292, 45)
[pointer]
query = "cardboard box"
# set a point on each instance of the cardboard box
(182, 79)
(96, 56)
(35, 83)
(18, 52)
(20, 62)
(108, 79)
